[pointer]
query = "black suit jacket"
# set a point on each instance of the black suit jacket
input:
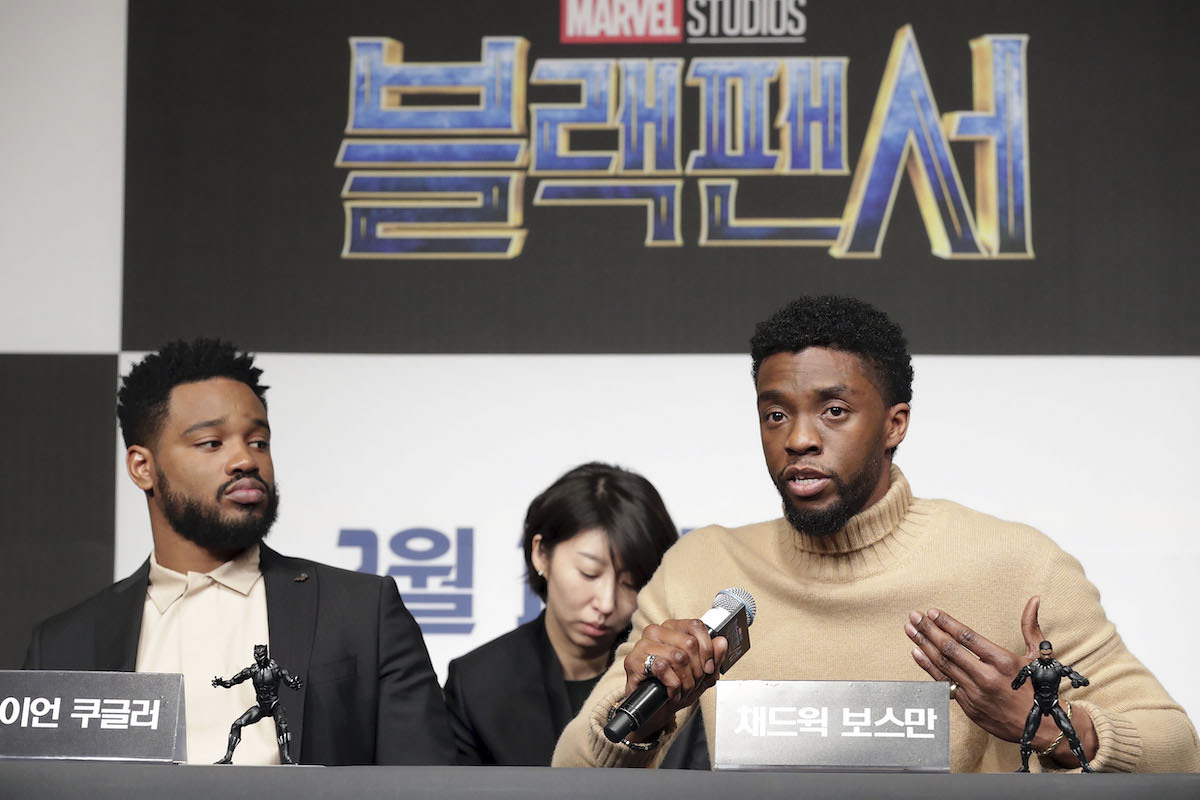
(508, 704)
(370, 695)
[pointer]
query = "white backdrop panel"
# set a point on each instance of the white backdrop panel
(1090, 450)
(62, 88)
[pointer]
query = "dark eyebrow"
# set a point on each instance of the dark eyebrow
(837, 390)
(208, 423)
(212, 423)
(827, 393)
(769, 395)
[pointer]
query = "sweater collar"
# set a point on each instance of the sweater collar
(872, 541)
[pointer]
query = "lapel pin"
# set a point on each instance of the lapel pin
(301, 578)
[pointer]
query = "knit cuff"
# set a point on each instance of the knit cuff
(1119, 747)
(609, 754)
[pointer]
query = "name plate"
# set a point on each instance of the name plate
(110, 716)
(836, 726)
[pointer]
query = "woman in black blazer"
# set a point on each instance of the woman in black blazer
(592, 540)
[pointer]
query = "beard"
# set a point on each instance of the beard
(852, 497)
(204, 525)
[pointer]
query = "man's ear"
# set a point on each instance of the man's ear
(139, 462)
(896, 425)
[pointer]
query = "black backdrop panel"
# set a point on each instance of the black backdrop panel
(234, 217)
(56, 499)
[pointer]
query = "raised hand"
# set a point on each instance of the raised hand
(987, 673)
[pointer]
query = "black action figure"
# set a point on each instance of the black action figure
(1045, 674)
(266, 676)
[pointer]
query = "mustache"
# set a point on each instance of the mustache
(241, 476)
(834, 477)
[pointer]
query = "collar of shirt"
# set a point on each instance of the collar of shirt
(239, 574)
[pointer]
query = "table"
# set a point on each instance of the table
(105, 781)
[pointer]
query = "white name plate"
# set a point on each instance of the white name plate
(836, 726)
(110, 716)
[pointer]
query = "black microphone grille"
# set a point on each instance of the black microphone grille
(733, 598)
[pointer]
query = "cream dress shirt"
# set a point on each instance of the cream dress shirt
(206, 625)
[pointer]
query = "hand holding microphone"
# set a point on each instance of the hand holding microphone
(675, 662)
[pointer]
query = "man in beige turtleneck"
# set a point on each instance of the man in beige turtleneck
(837, 580)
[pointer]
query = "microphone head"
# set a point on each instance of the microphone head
(733, 598)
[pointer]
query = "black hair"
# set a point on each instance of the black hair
(1045, 645)
(840, 323)
(145, 391)
(622, 503)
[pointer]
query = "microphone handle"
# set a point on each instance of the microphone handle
(648, 697)
(632, 714)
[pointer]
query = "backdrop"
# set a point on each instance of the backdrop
(478, 243)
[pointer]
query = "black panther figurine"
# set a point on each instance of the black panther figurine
(266, 676)
(1045, 674)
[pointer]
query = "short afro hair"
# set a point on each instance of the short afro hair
(840, 323)
(145, 391)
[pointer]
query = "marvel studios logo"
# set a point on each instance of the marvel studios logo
(713, 21)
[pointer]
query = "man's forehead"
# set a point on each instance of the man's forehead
(815, 368)
(212, 399)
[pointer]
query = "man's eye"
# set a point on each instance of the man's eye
(211, 444)
(774, 416)
(260, 445)
(836, 411)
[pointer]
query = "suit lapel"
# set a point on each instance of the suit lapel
(292, 592)
(119, 622)
(558, 704)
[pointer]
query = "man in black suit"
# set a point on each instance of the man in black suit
(194, 420)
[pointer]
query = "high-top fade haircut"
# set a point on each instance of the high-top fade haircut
(145, 392)
(840, 323)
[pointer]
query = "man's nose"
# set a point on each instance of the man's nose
(803, 437)
(241, 459)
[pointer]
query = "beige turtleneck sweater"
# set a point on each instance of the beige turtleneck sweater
(833, 608)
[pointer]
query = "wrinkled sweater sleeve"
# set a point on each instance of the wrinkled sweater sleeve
(1139, 727)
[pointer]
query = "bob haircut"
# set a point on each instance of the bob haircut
(623, 504)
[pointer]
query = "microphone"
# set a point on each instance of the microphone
(731, 615)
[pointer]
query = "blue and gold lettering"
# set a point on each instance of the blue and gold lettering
(433, 215)
(719, 225)
(649, 115)
(905, 131)
(433, 153)
(380, 80)
(437, 153)
(811, 121)
(659, 197)
(734, 115)
(552, 123)
(1000, 129)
